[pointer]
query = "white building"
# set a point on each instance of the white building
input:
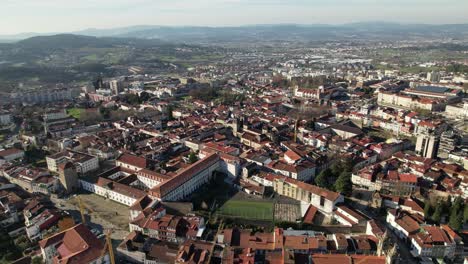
(5, 119)
(56, 114)
(324, 200)
(114, 191)
(188, 180)
(457, 111)
(84, 162)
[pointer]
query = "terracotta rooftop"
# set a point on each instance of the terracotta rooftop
(75, 245)
(132, 160)
(186, 174)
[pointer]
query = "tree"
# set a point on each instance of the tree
(169, 114)
(37, 260)
(322, 179)
(456, 220)
(427, 209)
(335, 168)
(144, 96)
(457, 205)
(341, 165)
(105, 112)
(344, 184)
(437, 216)
(192, 158)
(456, 215)
(465, 214)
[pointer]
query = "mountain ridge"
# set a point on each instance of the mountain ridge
(267, 32)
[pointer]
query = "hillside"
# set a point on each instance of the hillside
(304, 33)
(67, 57)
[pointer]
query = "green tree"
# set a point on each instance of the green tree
(437, 216)
(105, 112)
(465, 214)
(322, 178)
(192, 158)
(144, 96)
(336, 168)
(8, 250)
(169, 114)
(456, 220)
(37, 260)
(427, 209)
(344, 184)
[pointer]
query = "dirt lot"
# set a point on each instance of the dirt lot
(101, 214)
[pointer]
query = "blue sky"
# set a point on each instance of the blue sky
(70, 15)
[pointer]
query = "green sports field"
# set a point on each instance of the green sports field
(75, 112)
(254, 210)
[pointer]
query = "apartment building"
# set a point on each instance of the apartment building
(74, 245)
(84, 162)
(433, 242)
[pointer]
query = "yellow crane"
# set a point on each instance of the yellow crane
(82, 212)
(109, 246)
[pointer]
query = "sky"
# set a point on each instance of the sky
(40, 16)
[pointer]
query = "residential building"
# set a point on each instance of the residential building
(74, 245)
(433, 242)
(83, 162)
(9, 155)
(427, 146)
(448, 142)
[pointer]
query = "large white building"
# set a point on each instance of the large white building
(457, 111)
(55, 114)
(188, 180)
(112, 190)
(84, 162)
(324, 200)
(427, 146)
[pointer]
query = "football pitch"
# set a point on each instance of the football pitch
(253, 210)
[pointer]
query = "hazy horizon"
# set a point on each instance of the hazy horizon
(56, 16)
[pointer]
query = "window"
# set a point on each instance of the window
(322, 201)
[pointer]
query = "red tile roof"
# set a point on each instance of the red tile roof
(75, 245)
(332, 196)
(120, 188)
(186, 174)
(8, 152)
(310, 214)
(136, 161)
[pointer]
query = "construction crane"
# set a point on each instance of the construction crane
(109, 246)
(220, 229)
(82, 212)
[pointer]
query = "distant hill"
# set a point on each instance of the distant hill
(287, 32)
(69, 57)
(292, 32)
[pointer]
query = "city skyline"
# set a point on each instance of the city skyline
(69, 16)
